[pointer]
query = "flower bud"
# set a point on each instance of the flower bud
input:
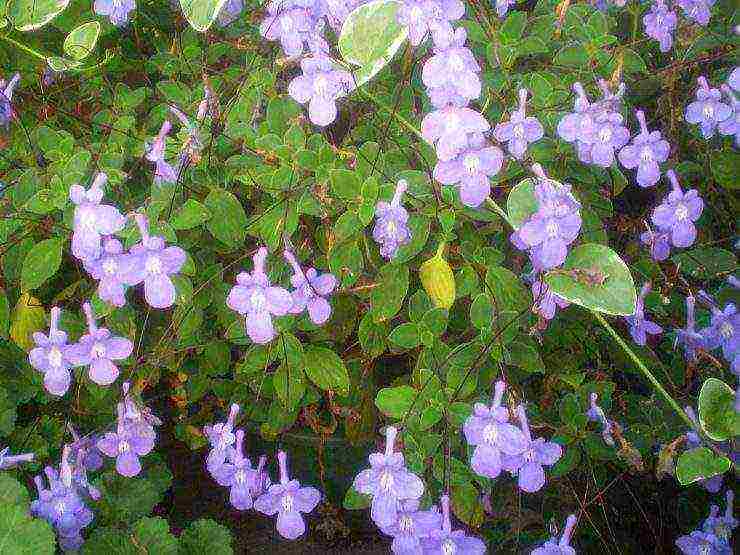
(438, 280)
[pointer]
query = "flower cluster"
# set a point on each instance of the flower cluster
(715, 533)
(500, 445)
(6, 99)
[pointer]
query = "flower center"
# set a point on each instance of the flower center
(286, 24)
(708, 111)
(490, 433)
(287, 503)
(519, 131)
(416, 14)
(123, 446)
(55, 357)
(60, 507)
(153, 265)
(240, 477)
(452, 123)
(386, 481)
(528, 455)
(552, 229)
(647, 155)
(391, 227)
(471, 163)
(258, 301)
(98, 350)
(605, 134)
(448, 547)
(681, 212)
(455, 62)
(321, 85)
(726, 330)
(87, 219)
(110, 266)
(406, 524)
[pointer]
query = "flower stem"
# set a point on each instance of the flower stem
(23, 47)
(500, 211)
(393, 113)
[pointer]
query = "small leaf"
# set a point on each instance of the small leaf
(201, 13)
(228, 221)
(324, 368)
(521, 203)
(705, 262)
(29, 15)
(406, 335)
(80, 42)
(28, 317)
(699, 464)
(395, 401)
(717, 410)
(57, 63)
(206, 536)
(41, 263)
(388, 296)
(595, 277)
(191, 214)
(725, 166)
(353, 500)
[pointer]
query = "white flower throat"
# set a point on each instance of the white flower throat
(471, 162)
(386, 481)
(287, 503)
(682, 212)
(490, 433)
(258, 300)
(153, 265)
(55, 357)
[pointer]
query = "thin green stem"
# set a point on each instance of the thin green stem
(500, 211)
(644, 369)
(393, 113)
(23, 47)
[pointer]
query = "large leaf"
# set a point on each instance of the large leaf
(521, 203)
(206, 536)
(370, 37)
(201, 13)
(20, 534)
(396, 401)
(29, 15)
(595, 277)
(387, 297)
(324, 368)
(41, 263)
(717, 410)
(699, 464)
(81, 40)
(228, 221)
(28, 317)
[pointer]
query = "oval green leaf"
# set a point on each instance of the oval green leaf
(595, 277)
(370, 37)
(201, 13)
(521, 203)
(717, 410)
(29, 15)
(57, 63)
(41, 262)
(81, 40)
(324, 368)
(700, 464)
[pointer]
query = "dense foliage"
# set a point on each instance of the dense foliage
(465, 268)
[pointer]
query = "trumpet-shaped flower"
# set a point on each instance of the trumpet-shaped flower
(646, 152)
(92, 220)
(51, 356)
(391, 223)
(311, 291)
(446, 541)
(520, 130)
(678, 212)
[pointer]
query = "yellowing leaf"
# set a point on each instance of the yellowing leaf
(28, 317)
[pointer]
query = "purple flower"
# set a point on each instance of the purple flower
(446, 541)
(155, 152)
(151, 262)
(546, 302)
(320, 86)
(254, 297)
(502, 6)
(724, 331)
(230, 12)
(50, 356)
(608, 136)
(660, 22)
(731, 125)
(190, 151)
(688, 337)
(453, 66)
(678, 212)
(429, 16)
(698, 10)
(708, 110)
(562, 546)
(470, 170)
(641, 327)
(238, 475)
(288, 500)
(721, 526)
(311, 291)
(388, 481)
(701, 543)
(289, 23)
(116, 10)
(8, 461)
(410, 526)
(85, 451)
(646, 151)
(734, 80)
(529, 464)
(548, 232)
(659, 243)
(107, 269)
(520, 130)
(126, 445)
(391, 229)
(488, 429)
(221, 436)
(596, 414)
(92, 220)
(449, 128)
(578, 125)
(98, 349)
(6, 98)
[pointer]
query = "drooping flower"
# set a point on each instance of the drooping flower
(659, 243)
(290, 24)
(391, 230)
(609, 135)
(702, 543)
(8, 461)
(388, 482)
(155, 152)
(678, 212)
(546, 302)
(488, 429)
(731, 125)
(137, 416)
(6, 99)
(230, 12)
(596, 414)
(708, 110)
(423, 17)
(641, 327)
(448, 129)
(115, 10)
(733, 81)
(126, 445)
(311, 290)
(190, 151)
(688, 337)
(238, 475)
(50, 356)
(538, 453)
(221, 436)
(660, 22)
(698, 10)
(555, 546)
(107, 269)
(288, 500)
(471, 169)
(411, 525)
(254, 297)
(724, 331)
(92, 220)
(98, 349)
(320, 85)
(84, 450)
(646, 151)
(453, 66)
(152, 262)
(446, 541)
(520, 130)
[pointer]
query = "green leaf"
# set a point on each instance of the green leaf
(206, 536)
(388, 296)
(699, 464)
(228, 221)
(201, 13)
(406, 335)
(595, 277)
(57, 63)
(395, 401)
(41, 263)
(572, 55)
(29, 15)
(705, 262)
(345, 184)
(20, 534)
(7, 415)
(717, 410)
(521, 203)
(289, 384)
(80, 42)
(191, 214)
(370, 37)
(4, 314)
(324, 368)
(725, 166)
(353, 500)
(481, 311)
(28, 317)
(513, 27)
(12, 491)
